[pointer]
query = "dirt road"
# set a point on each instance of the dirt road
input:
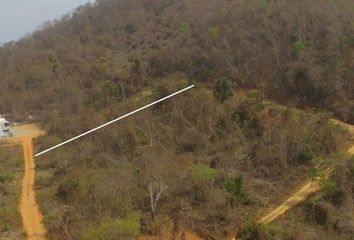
(305, 191)
(31, 216)
(295, 199)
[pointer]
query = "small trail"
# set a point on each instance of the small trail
(306, 190)
(31, 216)
(300, 196)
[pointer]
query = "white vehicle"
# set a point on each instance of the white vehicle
(4, 128)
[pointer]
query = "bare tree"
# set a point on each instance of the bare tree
(157, 190)
(64, 221)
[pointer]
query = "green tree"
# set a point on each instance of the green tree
(240, 114)
(329, 188)
(235, 187)
(214, 32)
(184, 28)
(257, 231)
(203, 173)
(127, 228)
(298, 46)
(111, 92)
(223, 89)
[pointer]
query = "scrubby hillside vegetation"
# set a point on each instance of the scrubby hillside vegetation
(10, 175)
(207, 161)
(298, 50)
(214, 164)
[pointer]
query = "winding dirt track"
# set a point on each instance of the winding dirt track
(295, 199)
(305, 191)
(31, 216)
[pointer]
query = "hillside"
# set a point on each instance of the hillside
(302, 49)
(219, 154)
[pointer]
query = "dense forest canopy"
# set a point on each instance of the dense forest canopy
(213, 156)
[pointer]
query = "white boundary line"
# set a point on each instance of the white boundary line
(115, 120)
